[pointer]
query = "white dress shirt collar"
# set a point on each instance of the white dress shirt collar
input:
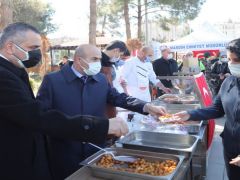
(78, 74)
(3, 57)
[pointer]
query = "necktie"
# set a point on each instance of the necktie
(84, 79)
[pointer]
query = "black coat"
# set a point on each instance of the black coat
(164, 67)
(23, 125)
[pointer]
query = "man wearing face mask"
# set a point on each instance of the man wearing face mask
(111, 58)
(138, 71)
(165, 66)
(227, 103)
(118, 82)
(111, 55)
(24, 125)
(81, 89)
(219, 72)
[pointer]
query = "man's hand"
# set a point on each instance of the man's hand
(227, 75)
(222, 76)
(181, 116)
(154, 110)
(166, 90)
(117, 127)
(235, 161)
(162, 87)
(123, 83)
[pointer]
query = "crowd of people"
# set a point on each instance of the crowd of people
(68, 112)
(137, 74)
(46, 137)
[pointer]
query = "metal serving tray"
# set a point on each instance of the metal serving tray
(189, 127)
(192, 129)
(194, 101)
(107, 173)
(160, 142)
(176, 107)
(149, 123)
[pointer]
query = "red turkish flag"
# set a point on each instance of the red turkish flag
(206, 96)
(200, 54)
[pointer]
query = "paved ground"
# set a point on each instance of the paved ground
(216, 169)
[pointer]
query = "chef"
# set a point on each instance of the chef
(137, 72)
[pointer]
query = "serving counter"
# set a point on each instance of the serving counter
(148, 136)
(193, 165)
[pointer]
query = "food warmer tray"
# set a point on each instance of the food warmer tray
(107, 173)
(152, 124)
(179, 99)
(160, 142)
(175, 107)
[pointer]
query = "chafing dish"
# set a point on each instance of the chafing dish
(179, 99)
(160, 142)
(175, 107)
(107, 173)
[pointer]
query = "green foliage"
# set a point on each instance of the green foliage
(185, 9)
(164, 11)
(35, 82)
(109, 12)
(36, 13)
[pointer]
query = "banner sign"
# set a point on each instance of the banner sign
(196, 46)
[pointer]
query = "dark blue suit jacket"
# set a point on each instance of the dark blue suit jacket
(64, 91)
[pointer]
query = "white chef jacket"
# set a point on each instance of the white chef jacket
(137, 74)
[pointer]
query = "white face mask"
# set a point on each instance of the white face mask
(170, 56)
(234, 69)
(224, 59)
(94, 68)
(19, 60)
(115, 59)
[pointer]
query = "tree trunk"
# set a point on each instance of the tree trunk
(146, 22)
(127, 20)
(93, 22)
(6, 14)
(139, 19)
(104, 24)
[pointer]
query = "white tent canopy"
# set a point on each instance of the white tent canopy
(206, 37)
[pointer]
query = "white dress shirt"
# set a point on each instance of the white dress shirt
(78, 74)
(117, 81)
(3, 57)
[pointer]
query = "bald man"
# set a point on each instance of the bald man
(138, 72)
(81, 89)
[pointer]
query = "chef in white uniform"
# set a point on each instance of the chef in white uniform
(137, 72)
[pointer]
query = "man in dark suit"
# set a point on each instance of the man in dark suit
(23, 125)
(165, 66)
(63, 62)
(81, 89)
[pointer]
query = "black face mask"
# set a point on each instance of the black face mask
(35, 57)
